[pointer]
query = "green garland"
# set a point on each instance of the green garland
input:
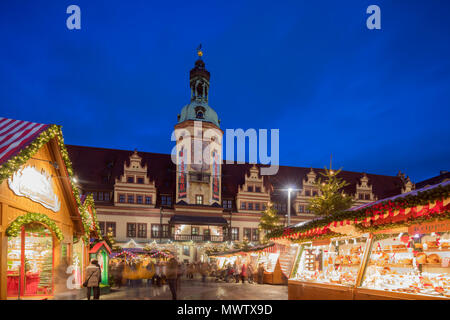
(89, 202)
(15, 227)
(422, 198)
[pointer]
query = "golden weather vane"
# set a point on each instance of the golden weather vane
(199, 50)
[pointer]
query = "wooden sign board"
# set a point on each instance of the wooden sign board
(323, 242)
(429, 227)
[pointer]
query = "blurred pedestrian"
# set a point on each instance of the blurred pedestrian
(237, 272)
(250, 273)
(93, 278)
(243, 272)
(171, 275)
(260, 273)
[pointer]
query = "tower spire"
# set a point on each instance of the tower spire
(199, 51)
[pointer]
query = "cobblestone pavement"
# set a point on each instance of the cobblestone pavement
(197, 290)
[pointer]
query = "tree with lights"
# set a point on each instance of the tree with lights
(269, 220)
(330, 199)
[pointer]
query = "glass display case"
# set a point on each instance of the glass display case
(336, 261)
(30, 272)
(269, 261)
(410, 263)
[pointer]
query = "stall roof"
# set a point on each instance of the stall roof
(252, 249)
(15, 135)
(97, 247)
(411, 193)
(204, 220)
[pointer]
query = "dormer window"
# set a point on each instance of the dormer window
(200, 112)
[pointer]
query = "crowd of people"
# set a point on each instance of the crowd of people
(138, 272)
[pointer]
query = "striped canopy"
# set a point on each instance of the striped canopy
(15, 135)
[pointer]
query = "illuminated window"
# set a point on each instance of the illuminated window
(142, 230)
(199, 199)
(130, 198)
(131, 230)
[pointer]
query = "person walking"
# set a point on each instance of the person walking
(158, 274)
(250, 273)
(204, 271)
(243, 272)
(171, 276)
(93, 278)
(237, 271)
(260, 273)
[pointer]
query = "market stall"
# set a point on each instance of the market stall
(100, 251)
(395, 248)
(42, 215)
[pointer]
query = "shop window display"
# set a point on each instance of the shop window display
(30, 262)
(336, 262)
(408, 263)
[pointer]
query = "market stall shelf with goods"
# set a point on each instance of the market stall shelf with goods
(397, 250)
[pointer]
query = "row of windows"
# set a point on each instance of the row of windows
(251, 234)
(303, 209)
(234, 233)
(253, 189)
(134, 179)
(309, 192)
(136, 230)
(227, 204)
(101, 195)
(131, 198)
(139, 230)
(364, 196)
(258, 206)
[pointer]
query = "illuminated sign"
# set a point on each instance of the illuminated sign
(37, 186)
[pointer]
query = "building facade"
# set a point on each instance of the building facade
(161, 198)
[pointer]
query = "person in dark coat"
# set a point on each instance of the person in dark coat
(93, 278)
(171, 276)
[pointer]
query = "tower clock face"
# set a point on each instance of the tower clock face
(198, 149)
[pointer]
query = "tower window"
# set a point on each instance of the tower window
(200, 115)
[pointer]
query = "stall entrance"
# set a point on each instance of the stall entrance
(30, 262)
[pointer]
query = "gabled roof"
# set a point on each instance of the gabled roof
(98, 245)
(15, 135)
(97, 169)
(445, 176)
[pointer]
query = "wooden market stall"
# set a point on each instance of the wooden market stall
(396, 248)
(41, 220)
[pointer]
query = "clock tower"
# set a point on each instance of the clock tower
(198, 144)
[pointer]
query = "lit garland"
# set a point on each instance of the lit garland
(89, 202)
(409, 201)
(15, 227)
(12, 165)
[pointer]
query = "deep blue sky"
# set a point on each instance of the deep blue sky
(378, 100)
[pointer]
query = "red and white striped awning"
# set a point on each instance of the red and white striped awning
(15, 135)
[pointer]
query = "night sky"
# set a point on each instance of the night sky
(378, 100)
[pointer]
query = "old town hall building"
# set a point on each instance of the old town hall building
(146, 198)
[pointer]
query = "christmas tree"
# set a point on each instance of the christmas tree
(269, 220)
(330, 199)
